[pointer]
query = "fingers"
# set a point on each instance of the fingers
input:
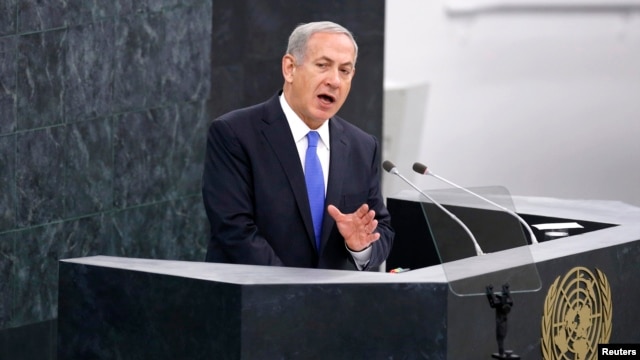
(363, 241)
(362, 216)
(371, 226)
(362, 211)
(373, 237)
(366, 219)
(358, 228)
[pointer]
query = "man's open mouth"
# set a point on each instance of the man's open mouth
(326, 98)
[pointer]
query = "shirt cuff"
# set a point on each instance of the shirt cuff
(361, 258)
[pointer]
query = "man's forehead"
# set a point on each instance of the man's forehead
(320, 36)
(318, 48)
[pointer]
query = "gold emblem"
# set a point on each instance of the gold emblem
(577, 316)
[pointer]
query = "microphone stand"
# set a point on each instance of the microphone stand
(423, 170)
(501, 303)
(390, 168)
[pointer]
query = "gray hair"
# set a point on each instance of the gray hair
(300, 37)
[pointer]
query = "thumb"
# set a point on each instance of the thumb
(334, 212)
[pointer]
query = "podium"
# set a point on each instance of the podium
(127, 308)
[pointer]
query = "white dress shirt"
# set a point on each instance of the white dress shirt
(299, 131)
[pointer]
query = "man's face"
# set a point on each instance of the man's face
(317, 88)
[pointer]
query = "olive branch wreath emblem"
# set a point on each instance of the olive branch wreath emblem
(556, 296)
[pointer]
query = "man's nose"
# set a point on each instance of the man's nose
(333, 78)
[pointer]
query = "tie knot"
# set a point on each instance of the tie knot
(313, 136)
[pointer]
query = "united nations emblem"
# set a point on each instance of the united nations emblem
(577, 316)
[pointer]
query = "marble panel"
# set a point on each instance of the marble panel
(363, 108)
(263, 79)
(36, 15)
(167, 230)
(94, 10)
(338, 315)
(40, 176)
(137, 67)
(362, 18)
(89, 70)
(105, 313)
(625, 260)
(87, 236)
(158, 154)
(158, 5)
(41, 65)
(7, 182)
(36, 254)
(626, 294)
(126, 8)
(35, 273)
(139, 173)
(30, 342)
(526, 316)
(7, 260)
(138, 231)
(345, 321)
(227, 89)
(228, 33)
(268, 25)
(187, 157)
(88, 167)
(8, 53)
(183, 62)
(8, 17)
(187, 229)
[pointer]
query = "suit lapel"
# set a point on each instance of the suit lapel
(337, 170)
(278, 134)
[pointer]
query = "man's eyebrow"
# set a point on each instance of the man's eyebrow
(326, 58)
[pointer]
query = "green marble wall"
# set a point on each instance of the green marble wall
(102, 115)
(104, 107)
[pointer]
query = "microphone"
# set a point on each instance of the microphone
(391, 169)
(423, 170)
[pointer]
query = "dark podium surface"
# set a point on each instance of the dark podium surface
(155, 309)
(124, 308)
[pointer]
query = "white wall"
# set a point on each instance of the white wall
(543, 102)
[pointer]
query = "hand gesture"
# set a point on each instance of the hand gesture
(357, 228)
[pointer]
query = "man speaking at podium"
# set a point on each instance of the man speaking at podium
(288, 183)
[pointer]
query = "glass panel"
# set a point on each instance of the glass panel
(505, 254)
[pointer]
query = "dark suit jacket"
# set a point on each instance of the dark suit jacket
(255, 194)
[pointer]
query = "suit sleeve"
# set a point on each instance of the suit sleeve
(227, 191)
(382, 247)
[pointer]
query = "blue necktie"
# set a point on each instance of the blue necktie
(315, 184)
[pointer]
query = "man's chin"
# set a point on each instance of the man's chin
(326, 113)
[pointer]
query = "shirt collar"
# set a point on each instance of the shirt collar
(298, 128)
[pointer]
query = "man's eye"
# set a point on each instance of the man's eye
(321, 65)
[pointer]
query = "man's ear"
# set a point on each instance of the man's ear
(288, 67)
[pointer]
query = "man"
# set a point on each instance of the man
(288, 183)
